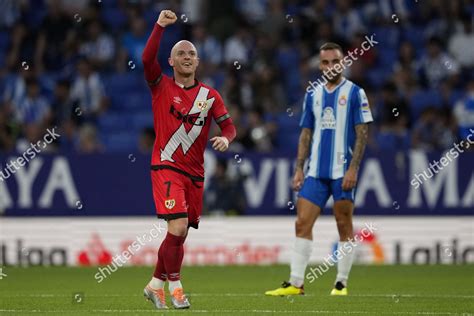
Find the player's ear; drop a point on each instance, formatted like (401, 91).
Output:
(197, 61)
(171, 61)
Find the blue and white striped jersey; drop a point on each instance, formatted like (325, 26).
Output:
(333, 115)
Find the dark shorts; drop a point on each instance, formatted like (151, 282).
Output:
(177, 195)
(318, 191)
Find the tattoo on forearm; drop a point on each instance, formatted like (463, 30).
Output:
(300, 163)
(362, 134)
(303, 147)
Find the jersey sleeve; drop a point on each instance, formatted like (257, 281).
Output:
(219, 111)
(360, 108)
(307, 117)
(223, 119)
(151, 66)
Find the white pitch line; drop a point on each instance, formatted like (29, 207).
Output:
(227, 311)
(248, 295)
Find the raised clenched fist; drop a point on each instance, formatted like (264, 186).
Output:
(167, 17)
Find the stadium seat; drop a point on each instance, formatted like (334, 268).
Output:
(287, 122)
(141, 120)
(377, 76)
(114, 18)
(470, 9)
(286, 59)
(415, 36)
(389, 141)
(455, 96)
(387, 57)
(4, 41)
(390, 36)
(2, 64)
(120, 141)
(113, 121)
(288, 139)
(124, 82)
(422, 99)
(130, 101)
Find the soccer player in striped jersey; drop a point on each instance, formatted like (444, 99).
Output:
(182, 111)
(334, 133)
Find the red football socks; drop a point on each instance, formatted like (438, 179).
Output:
(170, 258)
(160, 271)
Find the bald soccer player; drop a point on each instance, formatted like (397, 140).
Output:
(182, 108)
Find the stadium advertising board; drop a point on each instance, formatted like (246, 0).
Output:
(98, 185)
(226, 241)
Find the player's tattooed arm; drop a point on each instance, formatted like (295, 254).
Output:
(303, 147)
(362, 135)
(303, 152)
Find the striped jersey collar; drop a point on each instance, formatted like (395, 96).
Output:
(335, 88)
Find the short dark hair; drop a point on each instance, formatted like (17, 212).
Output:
(331, 45)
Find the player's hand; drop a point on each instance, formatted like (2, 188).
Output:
(298, 179)
(220, 143)
(350, 179)
(167, 17)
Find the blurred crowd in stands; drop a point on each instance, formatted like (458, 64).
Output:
(76, 64)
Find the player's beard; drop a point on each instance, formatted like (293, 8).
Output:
(332, 79)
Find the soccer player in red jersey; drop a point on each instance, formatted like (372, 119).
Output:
(182, 112)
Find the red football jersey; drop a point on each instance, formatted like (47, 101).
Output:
(182, 119)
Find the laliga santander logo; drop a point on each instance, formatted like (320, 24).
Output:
(95, 253)
(372, 251)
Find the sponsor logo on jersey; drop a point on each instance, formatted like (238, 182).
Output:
(328, 121)
(185, 136)
(170, 203)
(193, 119)
(365, 107)
(343, 100)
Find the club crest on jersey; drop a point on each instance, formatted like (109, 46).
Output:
(202, 105)
(328, 121)
(170, 204)
(342, 100)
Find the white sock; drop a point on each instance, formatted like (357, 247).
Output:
(299, 260)
(347, 251)
(156, 283)
(174, 285)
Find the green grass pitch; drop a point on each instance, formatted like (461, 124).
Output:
(238, 290)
